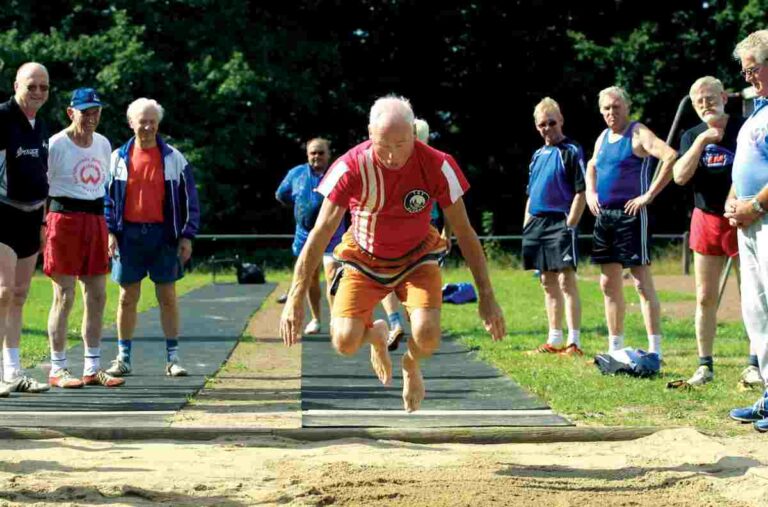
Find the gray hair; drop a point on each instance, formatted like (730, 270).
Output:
(754, 45)
(389, 107)
(421, 130)
(547, 105)
(615, 91)
(138, 106)
(709, 81)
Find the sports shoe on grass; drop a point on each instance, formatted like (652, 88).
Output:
(395, 335)
(701, 376)
(571, 350)
(283, 298)
(174, 369)
(102, 378)
(313, 327)
(545, 348)
(754, 413)
(119, 368)
(24, 384)
(750, 377)
(64, 379)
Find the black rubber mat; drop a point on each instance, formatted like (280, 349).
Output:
(212, 319)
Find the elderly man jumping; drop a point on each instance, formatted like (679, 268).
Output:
(389, 183)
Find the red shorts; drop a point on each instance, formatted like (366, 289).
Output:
(76, 245)
(712, 235)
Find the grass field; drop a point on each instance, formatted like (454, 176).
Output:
(34, 337)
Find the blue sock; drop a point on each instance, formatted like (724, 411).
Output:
(172, 350)
(124, 350)
(708, 362)
(753, 361)
(394, 319)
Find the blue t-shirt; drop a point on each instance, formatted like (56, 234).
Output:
(298, 188)
(555, 176)
(750, 165)
(621, 175)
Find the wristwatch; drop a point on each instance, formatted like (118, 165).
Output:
(757, 207)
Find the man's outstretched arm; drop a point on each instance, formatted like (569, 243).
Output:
(292, 319)
(472, 250)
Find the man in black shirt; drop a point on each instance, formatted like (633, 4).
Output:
(706, 160)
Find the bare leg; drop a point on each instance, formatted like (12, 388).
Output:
(570, 290)
(25, 268)
(330, 267)
(425, 327)
(390, 303)
(707, 269)
(126, 310)
(553, 299)
(613, 296)
(649, 301)
(58, 317)
(94, 299)
(349, 334)
(169, 309)
(7, 282)
(313, 295)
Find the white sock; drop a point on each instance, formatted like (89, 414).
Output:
(654, 343)
(555, 337)
(574, 337)
(91, 360)
(11, 364)
(58, 361)
(615, 342)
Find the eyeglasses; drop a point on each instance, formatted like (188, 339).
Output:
(550, 123)
(751, 71)
(34, 88)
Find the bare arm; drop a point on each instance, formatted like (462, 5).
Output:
(527, 215)
(292, 319)
(644, 144)
(590, 179)
(577, 209)
(472, 250)
(685, 167)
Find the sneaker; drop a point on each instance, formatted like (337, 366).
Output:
(750, 377)
(571, 350)
(313, 327)
(119, 368)
(395, 335)
(754, 413)
(761, 425)
(102, 378)
(282, 299)
(174, 369)
(5, 390)
(24, 384)
(701, 376)
(64, 379)
(546, 348)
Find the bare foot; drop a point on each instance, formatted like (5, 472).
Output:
(380, 360)
(413, 384)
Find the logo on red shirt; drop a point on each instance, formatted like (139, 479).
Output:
(415, 201)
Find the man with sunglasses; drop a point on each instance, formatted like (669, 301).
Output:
(553, 210)
(23, 191)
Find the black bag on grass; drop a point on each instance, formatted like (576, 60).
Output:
(249, 273)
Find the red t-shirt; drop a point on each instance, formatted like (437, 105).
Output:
(145, 189)
(391, 208)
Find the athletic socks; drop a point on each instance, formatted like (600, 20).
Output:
(92, 360)
(58, 361)
(574, 337)
(172, 350)
(555, 337)
(615, 342)
(654, 343)
(124, 351)
(11, 364)
(708, 362)
(394, 320)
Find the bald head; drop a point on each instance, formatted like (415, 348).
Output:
(31, 87)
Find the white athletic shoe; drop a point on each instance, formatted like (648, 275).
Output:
(313, 327)
(119, 368)
(174, 369)
(750, 377)
(701, 376)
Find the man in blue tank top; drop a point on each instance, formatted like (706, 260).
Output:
(298, 190)
(553, 210)
(746, 209)
(618, 193)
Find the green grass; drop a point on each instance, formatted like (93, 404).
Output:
(34, 336)
(574, 387)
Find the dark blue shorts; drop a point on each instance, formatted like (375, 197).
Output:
(549, 244)
(621, 238)
(144, 249)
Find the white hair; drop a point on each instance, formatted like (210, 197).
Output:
(138, 106)
(754, 45)
(709, 81)
(615, 91)
(391, 107)
(421, 130)
(547, 105)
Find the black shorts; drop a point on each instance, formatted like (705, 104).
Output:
(20, 230)
(621, 238)
(549, 244)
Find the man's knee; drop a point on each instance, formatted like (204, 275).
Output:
(20, 294)
(346, 336)
(609, 285)
(64, 298)
(549, 282)
(6, 295)
(425, 328)
(129, 298)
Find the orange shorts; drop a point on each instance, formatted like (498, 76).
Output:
(415, 278)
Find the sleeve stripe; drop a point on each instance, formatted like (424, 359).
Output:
(331, 179)
(453, 181)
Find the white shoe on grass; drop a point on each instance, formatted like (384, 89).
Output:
(701, 376)
(313, 327)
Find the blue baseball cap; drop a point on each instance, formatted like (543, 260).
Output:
(85, 98)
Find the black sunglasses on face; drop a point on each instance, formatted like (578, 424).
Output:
(550, 123)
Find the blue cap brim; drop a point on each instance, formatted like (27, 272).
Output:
(87, 105)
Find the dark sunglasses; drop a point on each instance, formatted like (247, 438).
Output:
(550, 123)
(33, 88)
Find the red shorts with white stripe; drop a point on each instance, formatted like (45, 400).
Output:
(76, 244)
(711, 234)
